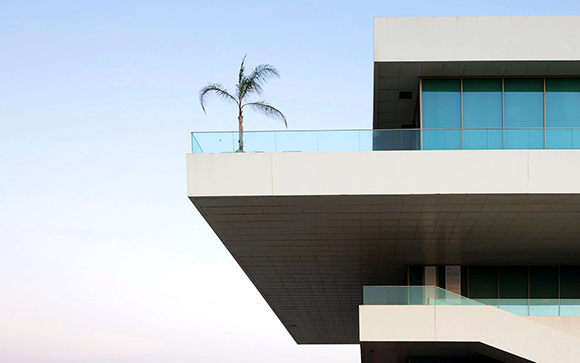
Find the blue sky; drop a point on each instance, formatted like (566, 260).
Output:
(103, 257)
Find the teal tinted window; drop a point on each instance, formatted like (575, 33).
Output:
(524, 108)
(441, 99)
(482, 109)
(513, 282)
(562, 110)
(483, 282)
(543, 282)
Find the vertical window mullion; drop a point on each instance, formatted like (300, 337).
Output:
(544, 112)
(503, 112)
(461, 103)
(421, 112)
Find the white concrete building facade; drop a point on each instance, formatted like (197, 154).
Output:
(448, 233)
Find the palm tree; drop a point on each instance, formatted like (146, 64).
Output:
(247, 86)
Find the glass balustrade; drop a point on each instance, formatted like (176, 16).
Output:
(432, 295)
(387, 139)
(413, 295)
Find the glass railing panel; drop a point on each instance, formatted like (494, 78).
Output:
(490, 302)
(544, 307)
(289, 141)
(575, 138)
(217, 142)
(401, 139)
(374, 295)
(339, 140)
(388, 140)
(256, 142)
(412, 295)
(411, 139)
(392, 139)
(445, 297)
(441, 139)
(494, 139)
(474, 139)
(524, 138)
(570, 307)
(432, 295)
(195, 146)
(366, 140)
(515, 306)
(558, 138)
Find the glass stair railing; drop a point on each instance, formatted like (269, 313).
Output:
(433, 295)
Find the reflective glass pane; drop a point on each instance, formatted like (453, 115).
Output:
(562, 103)
(524, 103)
(441, 99)
(482, 103)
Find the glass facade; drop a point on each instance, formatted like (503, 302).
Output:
(482, 111)
(524, 110)
(521, 290)
(562, 111)
(500, 113)
(441, 101)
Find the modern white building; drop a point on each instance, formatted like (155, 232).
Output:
(448, 233)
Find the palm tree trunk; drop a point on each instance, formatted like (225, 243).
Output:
(241, 129)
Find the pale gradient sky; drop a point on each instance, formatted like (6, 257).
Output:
(103, 258)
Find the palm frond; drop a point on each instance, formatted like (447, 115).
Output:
(241, 75)
(267, 110)
(262, 72)
(217, 90)
(253, 83)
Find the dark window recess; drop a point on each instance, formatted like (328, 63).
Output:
(441, 277)
(513, 282)
(483, 282)
(543, 282)
(569, 282)
(464, 283)
(415, 275)
(405, 95)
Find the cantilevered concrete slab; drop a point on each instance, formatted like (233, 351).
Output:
(465, 329)
(310, 229)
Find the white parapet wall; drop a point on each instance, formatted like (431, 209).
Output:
(384, 173)
(488, 325)
(477, 38)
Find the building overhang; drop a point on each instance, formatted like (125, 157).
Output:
(406, 49)
(310, 229)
